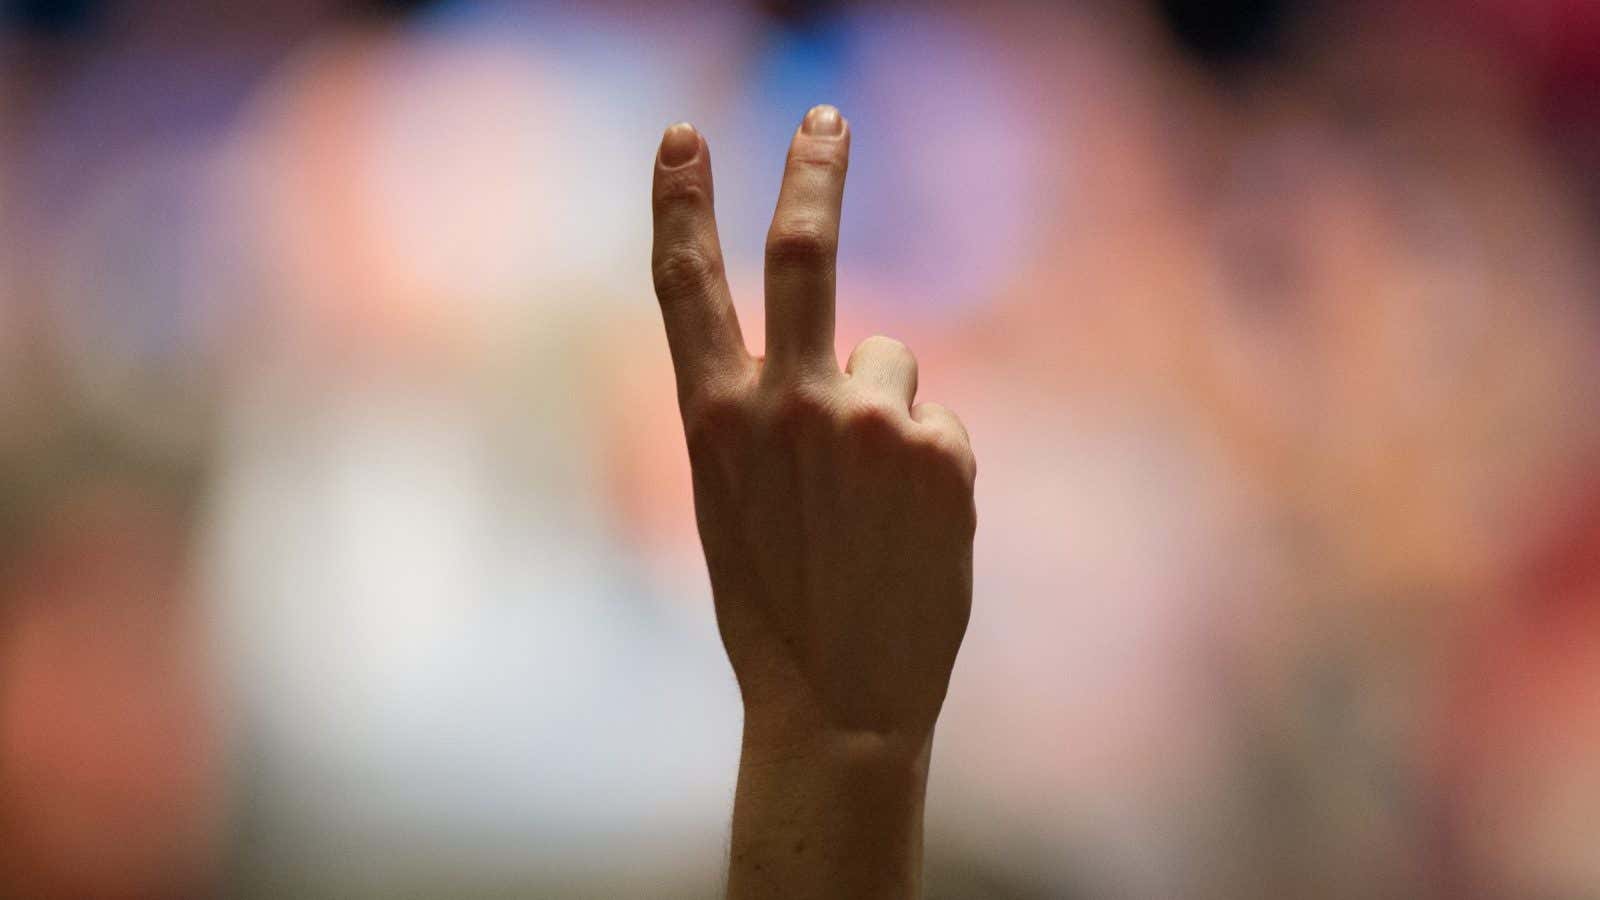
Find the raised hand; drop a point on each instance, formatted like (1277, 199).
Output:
(837, 519)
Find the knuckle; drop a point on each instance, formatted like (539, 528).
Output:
(801, 242)
(872, 421)
(713, 419)
(946, 452)
(886, 349)
(684, 269)
(828, 163)
(681, 189)
(885, 346)
(803, 409)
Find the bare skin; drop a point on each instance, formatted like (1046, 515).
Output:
(837, 518)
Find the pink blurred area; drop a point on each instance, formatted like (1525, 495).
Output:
(348, 548)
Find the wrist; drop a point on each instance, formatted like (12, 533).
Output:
(828, 812)
(781, 737)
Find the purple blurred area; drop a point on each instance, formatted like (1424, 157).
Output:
(346, 546)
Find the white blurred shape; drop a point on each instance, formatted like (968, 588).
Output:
(438, 661)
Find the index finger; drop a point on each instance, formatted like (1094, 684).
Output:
(686, 263)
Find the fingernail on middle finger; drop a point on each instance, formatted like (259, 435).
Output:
(823, 121)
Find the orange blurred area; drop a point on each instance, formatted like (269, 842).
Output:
(108, 728)
(346, 543)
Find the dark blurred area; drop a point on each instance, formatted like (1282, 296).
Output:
(346, 546)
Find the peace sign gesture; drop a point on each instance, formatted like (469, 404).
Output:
(837, 517)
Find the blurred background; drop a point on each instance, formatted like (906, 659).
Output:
(346, 547)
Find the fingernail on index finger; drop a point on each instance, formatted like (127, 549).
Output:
(680, 145)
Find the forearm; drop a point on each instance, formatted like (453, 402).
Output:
(830, 815)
